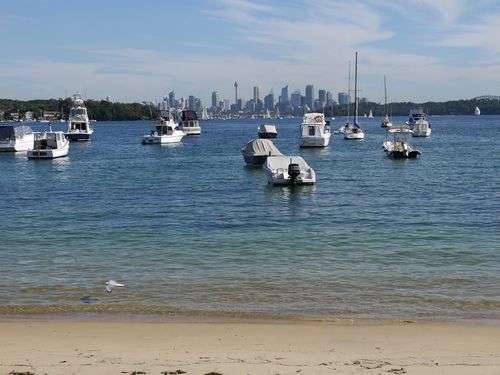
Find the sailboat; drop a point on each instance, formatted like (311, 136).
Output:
(370, 115)
(353, 131)
(386, 122)
(477, 111)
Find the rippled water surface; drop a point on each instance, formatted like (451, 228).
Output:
(191, 230)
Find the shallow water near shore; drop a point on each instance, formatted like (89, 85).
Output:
(190, 230)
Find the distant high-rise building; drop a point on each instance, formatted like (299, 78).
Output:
(295, 99)
(284, 99)
(269, 101)
(191, 104)
(215, 99)
(256, 95)
(343, 98)
(225, 104)
(171, 99)
(321, 99)
(310, 96)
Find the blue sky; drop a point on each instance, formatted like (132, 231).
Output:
(430, 50)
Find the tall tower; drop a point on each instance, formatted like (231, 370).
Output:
(235, 92)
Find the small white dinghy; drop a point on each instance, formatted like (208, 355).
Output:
(288, 170)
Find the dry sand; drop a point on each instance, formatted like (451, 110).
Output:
(99, 347)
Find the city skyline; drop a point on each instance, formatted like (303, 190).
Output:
(430, 51)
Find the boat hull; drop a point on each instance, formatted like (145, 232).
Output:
(404, 154)
(354, 136)
(255, 160)
(267, 135)
(315, 141)
(47, 154)
(161, 139)
(18, 145)
(421, 133)
(191, 130)
(75, 137)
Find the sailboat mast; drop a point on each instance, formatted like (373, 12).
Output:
(356, 89)
(349, 94)
(385, 94)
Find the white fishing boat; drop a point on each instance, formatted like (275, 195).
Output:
(396, 145)
(165, 130)
(79, 128)
(49, 145)
(352, 131)
(14, 138)
(189, 123)
(288, 170)
(314, 131)
(477, 111)
(267, 131)
(258, 150)
(421, 128)
(386, 122)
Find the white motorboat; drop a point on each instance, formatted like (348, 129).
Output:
(314, 131)
(421, 128)
(386, 122)
(396, 146)
(258, 150)
(16, 138)
(352, 131)
(165, 130)
(79, 128)
(267, 131)
(288, 170)
(49, 145)
(189, 123)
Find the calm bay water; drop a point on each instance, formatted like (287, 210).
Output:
(191, 230)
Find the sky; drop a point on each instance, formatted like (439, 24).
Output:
(136, 50)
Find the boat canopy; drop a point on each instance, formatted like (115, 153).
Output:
(282, 162)
(14, 131)
(267, 128)
(399, 129)
(261, 147)
(314, 119)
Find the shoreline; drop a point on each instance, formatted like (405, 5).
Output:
(56, 347)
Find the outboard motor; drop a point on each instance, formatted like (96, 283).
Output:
(293, 171)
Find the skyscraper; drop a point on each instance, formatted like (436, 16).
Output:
(215, 99)
(296, 99)
(343, 98)
(171, 99)
(269, 101)
(322, 99)
(256, 96)
(284, 99)
(310, 96)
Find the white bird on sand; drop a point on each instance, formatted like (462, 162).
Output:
(111, 284)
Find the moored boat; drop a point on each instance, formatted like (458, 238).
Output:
(165, 130)
(352, 131)
(314, 130)
(49, 145)
(189, 123)
(79, 128)
(258, 150)
(397, 147)
(14, 138)
(267, 131)
(288, 170)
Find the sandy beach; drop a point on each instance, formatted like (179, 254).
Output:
(108, 347)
